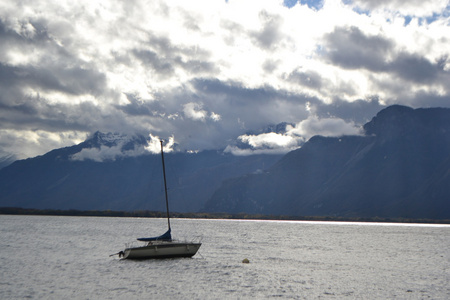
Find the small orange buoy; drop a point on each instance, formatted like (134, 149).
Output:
(245, 261)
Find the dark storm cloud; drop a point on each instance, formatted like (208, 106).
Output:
(21, 110)
(161, 65)
(49, 118)
(59, 70)
(11, 38)
(71, 80)
(135, 107)
(37, 113)
(426, 99)
(195, 66)
(256, 107)
(234, 91)
(51, 68)
(248, 103)
(245, 101)
(415, 68)
(33, 39)
(350, 48)
(308, 78)
(315, 81)
(164, 57)
(359, 111)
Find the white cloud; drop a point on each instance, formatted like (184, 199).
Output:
(112, 148)
(324, 127)
(420, 8)
(215, 117)
(245, 152)
(154, 145)
(98, 155)
(294, 136)
(115, 148)
(105, 153)
(266, 143)
(194, 111)
(269, 140)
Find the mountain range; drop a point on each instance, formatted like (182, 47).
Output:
(114, 172)
(398, 167)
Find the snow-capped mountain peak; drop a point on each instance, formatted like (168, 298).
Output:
(110, 146)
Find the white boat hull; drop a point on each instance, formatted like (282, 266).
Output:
(162, 250)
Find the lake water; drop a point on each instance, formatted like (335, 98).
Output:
(49, 257)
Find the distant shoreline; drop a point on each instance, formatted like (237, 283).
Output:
(200, 215)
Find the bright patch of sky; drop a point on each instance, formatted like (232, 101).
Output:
(314, 4)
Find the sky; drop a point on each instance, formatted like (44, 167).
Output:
(213, 74)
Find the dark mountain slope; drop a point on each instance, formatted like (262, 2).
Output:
(398, 169)
(57, 181)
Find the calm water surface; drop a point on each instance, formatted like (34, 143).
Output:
(45, 257)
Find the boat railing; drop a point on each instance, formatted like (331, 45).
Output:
(196, 239)
(135, 244)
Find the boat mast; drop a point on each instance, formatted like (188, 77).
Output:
(165, 184)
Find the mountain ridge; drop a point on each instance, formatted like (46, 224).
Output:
(391, 171)
(104, 172)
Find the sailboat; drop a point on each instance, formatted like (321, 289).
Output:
(162, 246)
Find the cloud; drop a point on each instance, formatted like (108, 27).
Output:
(105, 153)
(270, 140)
(194, 111)
(208, 72)
(266, 143)
(154, 145)
(28, 143)
(324, 127)
(292, 137)
(413, 7)
(270, 34)
(98, 154)
(396, 74)
(112, 146)
(118, 146)
(352, 49)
